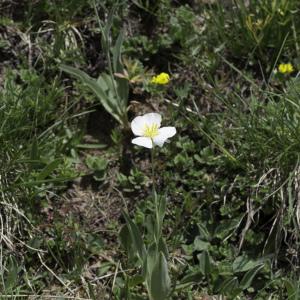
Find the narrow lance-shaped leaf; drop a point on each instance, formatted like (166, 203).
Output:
(160, 279)
(122, 83)
(151, 259)
(204, 263)
(49, 169)
(11, 276)
(229, 285)
(292, 288)
(136, 237)
(162, 209)
(109, 22)
(116, 51)
(162, 246)
(110, 86)
(248, 277)
(34, 155)
(107, 103)
(126, 240)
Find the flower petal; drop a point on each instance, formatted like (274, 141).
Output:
(163, 134)
(152, 118)
(143, 141)
(137, 125)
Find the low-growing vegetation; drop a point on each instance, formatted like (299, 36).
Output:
(150, 149)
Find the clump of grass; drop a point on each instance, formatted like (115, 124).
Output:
(34, 148)
(263, 135)
(255, 31)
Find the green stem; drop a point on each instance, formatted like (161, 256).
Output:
(153, 170)
(154, 195)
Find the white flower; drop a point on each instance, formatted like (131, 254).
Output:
(147, 128)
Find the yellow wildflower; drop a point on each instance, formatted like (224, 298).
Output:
(286, 68)
(162, 78)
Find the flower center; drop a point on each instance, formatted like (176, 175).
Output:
(151, 130)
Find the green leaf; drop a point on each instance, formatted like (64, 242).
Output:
(162, 207)
(136, 237)
(204, 263)
(192, 277)
(96, 163)
(200, 245)
(229, 285)
(122, 83)
(161, 200)
(151, 260)
(11, 277)
(100, 88)
(110, 86)
(243, 263)
(123, 90)
(292, 288)
(248, 277)
(224, 229)
(109, 22)
(49, 169)
(162, 246)
(152, 257)
(204, 233)
(160, 280)
(36, 182)
(125, 238)
(117, 65)
(34, 155)
(91, 146)
(135, 280)
(85, 78)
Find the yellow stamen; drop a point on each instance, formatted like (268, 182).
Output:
(151, 130)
